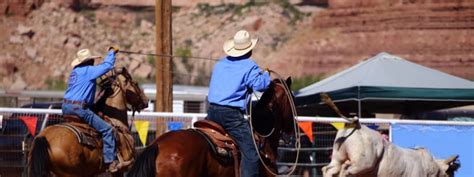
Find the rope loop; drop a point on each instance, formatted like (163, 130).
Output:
(295, 124)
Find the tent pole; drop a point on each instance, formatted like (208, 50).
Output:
(358, 101)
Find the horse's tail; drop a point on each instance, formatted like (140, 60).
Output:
(39, 160)
(145, 164)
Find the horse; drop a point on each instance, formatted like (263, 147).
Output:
(57, 149)
(185, 153)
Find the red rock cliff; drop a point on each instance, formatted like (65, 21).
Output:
(433, 33)
(18, 7)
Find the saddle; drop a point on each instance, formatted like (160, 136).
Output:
(222, 145)
(85, 134)
(89, 137)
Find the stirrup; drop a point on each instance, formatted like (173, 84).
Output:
(117, 165)
(122, 162)
(113, 167)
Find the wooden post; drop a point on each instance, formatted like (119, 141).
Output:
(164, 76)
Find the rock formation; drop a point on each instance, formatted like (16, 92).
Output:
(436, 34)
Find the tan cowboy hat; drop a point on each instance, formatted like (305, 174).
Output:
(240, 45)
(82, 56)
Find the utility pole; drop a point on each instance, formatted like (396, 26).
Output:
(163, 64)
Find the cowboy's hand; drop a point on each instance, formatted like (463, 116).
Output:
(115, 49)
(267, 70)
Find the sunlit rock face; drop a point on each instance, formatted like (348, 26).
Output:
(434, 33)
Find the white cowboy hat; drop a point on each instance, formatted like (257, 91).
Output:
(82, 56)
(240, 45)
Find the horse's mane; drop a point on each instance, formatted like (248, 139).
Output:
(267, 96)
(105, 88)
(262, 117)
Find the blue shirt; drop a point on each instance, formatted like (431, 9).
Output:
(231, 79)
(82, 81)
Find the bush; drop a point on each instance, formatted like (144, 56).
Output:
(184, 53)
(290, 11)
(151, 60)
(304, 81)
(56, 84)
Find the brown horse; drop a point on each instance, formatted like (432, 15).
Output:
(185, 153)
(56, 149)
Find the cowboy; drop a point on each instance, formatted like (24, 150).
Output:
(79, 98)
(233, 79)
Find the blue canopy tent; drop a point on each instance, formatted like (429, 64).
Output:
(386, 84)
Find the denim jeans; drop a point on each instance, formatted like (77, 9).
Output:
(96, 122)
(232, 119)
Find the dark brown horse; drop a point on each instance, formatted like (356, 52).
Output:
(56, 149)
(185, 153)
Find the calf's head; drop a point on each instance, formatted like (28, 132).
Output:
(448, 166)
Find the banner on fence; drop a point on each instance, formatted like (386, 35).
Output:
(173, 126)
(338, 125)
(442, 141)
(307, 128)
(142, 129)
(30, 122)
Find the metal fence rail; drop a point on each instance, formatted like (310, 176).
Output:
(15, 138)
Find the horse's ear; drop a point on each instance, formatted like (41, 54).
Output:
(288, 81)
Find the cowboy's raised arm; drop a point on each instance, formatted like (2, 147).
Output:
(258, 80)
(108, 64)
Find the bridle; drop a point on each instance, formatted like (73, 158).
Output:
(295, 124)
(112, 80)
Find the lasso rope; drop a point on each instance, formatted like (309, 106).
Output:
(273, 128)
(295, 126)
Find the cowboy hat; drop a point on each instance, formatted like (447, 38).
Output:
(240, 45)
(82, 56)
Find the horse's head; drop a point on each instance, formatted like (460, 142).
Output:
(120, 80)
(273, 112)
(133, 93)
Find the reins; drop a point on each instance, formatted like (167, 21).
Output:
(295, 124)
(112, 80)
